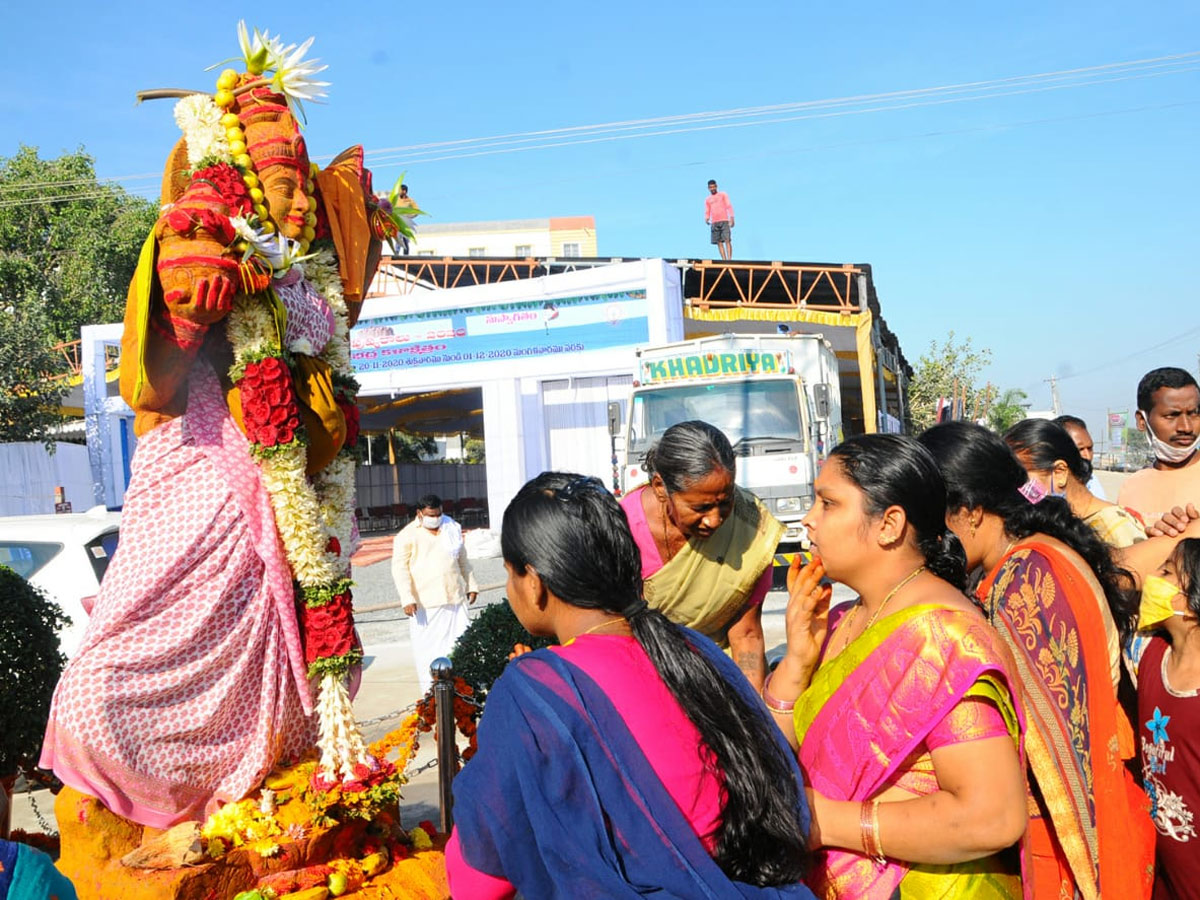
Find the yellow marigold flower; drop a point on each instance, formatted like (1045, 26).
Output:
(420, 840)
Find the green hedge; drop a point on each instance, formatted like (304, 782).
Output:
(30, 664)
(480, 654)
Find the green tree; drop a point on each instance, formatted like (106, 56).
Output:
(68, 242)
(405, 447)
(30, 663)
(29, 392)
(475, 451)
(1137, 447)
(939, 369)
(412, 448)
(1006, 410)
(480, 654)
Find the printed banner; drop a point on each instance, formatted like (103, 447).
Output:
(501, 331)
(1117, 419)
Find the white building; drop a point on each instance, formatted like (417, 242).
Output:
(560, 237)
(547, 354)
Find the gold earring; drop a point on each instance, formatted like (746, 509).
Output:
(972, 529)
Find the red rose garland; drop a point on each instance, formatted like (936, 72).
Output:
(230, 184)
(329, 629)
(270, 412)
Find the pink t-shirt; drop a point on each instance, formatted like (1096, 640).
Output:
(652, 560)
(717, 207)
(663, 732)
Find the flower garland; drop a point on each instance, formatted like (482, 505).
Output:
(466, 715)
(315, 519)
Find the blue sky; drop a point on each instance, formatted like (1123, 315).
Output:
(1058, 228)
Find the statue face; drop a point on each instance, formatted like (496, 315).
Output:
(283, 170)
(280, 158)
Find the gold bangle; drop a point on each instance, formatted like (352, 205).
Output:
(864, 827)
(876, 841)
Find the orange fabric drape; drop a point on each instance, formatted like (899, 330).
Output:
(344, 197)
(1124, 833)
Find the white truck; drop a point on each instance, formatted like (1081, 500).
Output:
(776, 397)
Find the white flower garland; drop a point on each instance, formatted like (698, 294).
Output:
(340, 741)
(308, 513)
(199, 118)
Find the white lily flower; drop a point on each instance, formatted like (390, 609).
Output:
(294, 76)
(260, 51)
(259, 242)
(289, 255)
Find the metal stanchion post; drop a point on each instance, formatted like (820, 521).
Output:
(447, 749)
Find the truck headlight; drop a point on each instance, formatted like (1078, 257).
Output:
(794, 504)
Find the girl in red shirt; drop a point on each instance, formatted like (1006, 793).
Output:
(1169, 718)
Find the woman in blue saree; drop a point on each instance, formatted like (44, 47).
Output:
(634, 758)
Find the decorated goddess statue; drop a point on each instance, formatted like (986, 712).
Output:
(222, 640)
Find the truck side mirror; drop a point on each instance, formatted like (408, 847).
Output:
(614, 418)
(821, 400)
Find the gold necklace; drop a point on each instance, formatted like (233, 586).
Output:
(603, 624)
(893, 592)
(666, 542)
(875, 615)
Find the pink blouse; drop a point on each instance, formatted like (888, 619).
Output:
(663, 732)
(652, 560)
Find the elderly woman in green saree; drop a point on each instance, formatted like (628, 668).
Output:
(707, 545)
(900, 705)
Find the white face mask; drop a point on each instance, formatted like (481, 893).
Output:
(1169, 453)
(433, 523)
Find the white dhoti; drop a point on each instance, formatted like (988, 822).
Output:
(433, 633)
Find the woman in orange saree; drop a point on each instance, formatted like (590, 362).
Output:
(904, 721)
(1052, 591)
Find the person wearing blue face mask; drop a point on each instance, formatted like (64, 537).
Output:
(1169, 718)
(435, 583)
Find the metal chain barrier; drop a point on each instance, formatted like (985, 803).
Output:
(394, 714)
(37, 813)
(424, 768)
(469, 699)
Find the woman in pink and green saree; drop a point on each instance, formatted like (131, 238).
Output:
(900, 705)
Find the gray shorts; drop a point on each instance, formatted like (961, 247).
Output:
(720, 231)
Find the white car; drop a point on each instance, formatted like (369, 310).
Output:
(64, 555)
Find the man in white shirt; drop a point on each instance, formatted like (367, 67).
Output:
(435, 583)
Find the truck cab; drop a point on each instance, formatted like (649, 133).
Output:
(774, 396)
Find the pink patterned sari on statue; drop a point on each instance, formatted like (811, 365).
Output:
(190, 685)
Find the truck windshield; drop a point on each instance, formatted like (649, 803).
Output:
(745, 411)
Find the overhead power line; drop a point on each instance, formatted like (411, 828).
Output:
(740, 117)
(975, 90)
(385, 161)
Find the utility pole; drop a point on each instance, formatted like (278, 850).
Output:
(1055, 401)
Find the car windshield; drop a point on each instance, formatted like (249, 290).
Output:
(744, 410)
(27, 557)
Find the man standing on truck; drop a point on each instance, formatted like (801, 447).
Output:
(718, 215)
